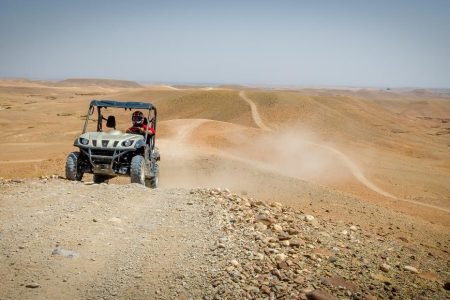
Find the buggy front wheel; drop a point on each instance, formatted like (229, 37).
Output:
(73, 169)
(152, 182)
(137, 170)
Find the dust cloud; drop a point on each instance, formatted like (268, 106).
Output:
(288, 153)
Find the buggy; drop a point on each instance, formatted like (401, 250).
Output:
(111, 153)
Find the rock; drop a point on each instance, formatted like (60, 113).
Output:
(353, 228)
(260, 227)
(299, 280)
(259, 256)
(292, 231)
(280, 257)
(285, 243)
(64, 252)
(296, 243)
(332, 259)
(339, 281)
(447, 286)
(33, 285)
(235, 263)
(308, 218)
(403, 239)
(411, 269)
(282, 236)
(277, 228)
(283, 265)
(344, 232)
(385, 268)
(265, 289)
(190, 203)
(320, 295)
(263, 218)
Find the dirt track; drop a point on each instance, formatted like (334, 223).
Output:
(355, 170)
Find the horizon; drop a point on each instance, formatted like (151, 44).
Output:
(216, 84)
(260, 43)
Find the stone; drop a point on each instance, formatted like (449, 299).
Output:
(283, 265)
(259, 256)
(280, 257)
(282, 236)
(411, 269)
(353, 228)
(308, 218)
(338, 282)
(263, 218)
(292, 231)
(320, 295)
(447, 286)
(296, 243)
(33, 285)
(385, 268)
(64, 252)
(277, 228)
(285, 243)
(235, 263)
(265, 289)
(332, 259)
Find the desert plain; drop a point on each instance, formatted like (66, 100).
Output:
(373, 159)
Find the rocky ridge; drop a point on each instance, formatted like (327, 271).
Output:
(280, 253)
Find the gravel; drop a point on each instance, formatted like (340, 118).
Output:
(193, 244)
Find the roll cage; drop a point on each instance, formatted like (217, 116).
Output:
(100, 104)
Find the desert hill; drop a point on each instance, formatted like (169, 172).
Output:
(377, 160)
(81, 82)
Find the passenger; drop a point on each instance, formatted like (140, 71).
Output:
(139, 125)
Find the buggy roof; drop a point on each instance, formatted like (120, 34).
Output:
(120, 104)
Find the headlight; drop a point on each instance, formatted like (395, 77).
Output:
(127, 143)
(84, 141)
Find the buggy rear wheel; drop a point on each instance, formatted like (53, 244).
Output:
(137, 170)
(73, 169)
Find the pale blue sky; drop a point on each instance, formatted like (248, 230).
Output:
(349, 43)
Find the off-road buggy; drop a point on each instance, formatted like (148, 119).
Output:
(111, 153)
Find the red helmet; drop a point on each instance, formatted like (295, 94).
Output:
(137, 118)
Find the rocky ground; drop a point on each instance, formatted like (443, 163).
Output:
(73, 240)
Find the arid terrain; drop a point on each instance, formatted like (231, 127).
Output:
(264, 193)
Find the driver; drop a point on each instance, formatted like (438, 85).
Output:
(138, 124)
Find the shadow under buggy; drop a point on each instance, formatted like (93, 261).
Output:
(115, 153)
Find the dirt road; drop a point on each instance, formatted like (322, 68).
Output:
(63, 240)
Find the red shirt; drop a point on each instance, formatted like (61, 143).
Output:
(136, 128)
